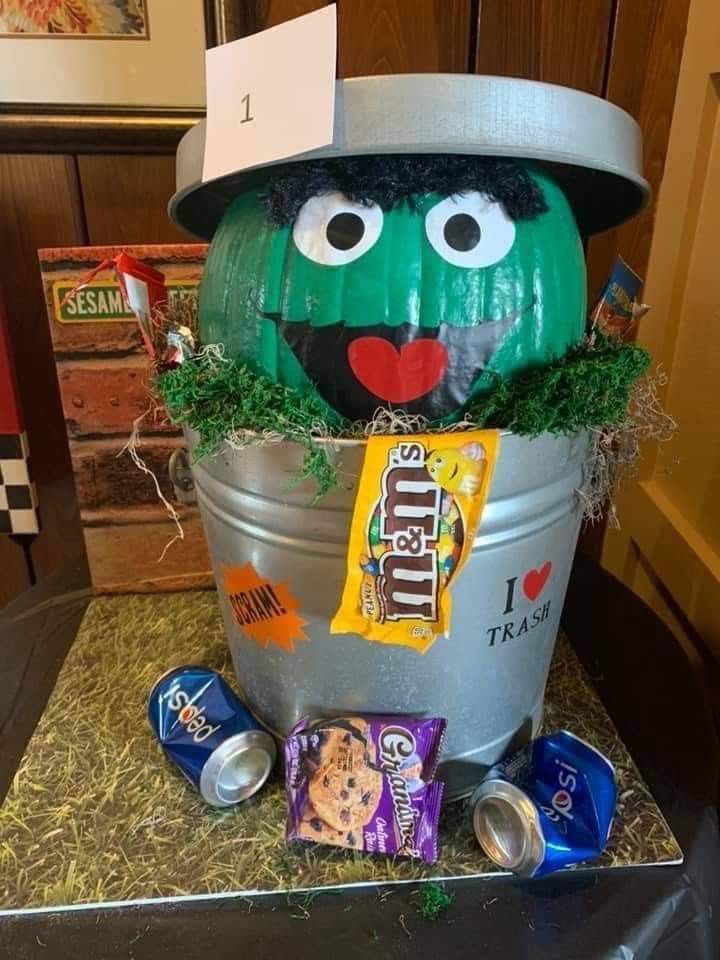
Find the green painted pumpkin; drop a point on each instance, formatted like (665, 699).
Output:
(412, 306)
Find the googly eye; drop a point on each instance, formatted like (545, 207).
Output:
(332, 230)
(468, 230)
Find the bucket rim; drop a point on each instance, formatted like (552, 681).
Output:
(345, 443)
(590, 146)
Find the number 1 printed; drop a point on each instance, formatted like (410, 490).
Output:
(246, 100)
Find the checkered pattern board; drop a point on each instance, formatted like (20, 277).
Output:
(18, 500)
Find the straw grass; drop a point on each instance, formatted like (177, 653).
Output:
(96, 813)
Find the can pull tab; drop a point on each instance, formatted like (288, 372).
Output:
(181, 476)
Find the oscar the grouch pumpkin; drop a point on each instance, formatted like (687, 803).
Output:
(398, 282)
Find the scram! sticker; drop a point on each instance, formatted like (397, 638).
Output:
(265, 611)
(418, 507)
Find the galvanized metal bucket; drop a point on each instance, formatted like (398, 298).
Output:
(487, 677)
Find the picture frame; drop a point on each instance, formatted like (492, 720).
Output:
(93, 127)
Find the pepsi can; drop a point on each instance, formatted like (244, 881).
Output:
(548, 806)
(210, 734)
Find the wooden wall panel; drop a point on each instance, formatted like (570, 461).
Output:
(14, 573)
(403, 36)
(39, 206)
(125, 199)
(272, 12)
(254, 15)
(558, 41)
(643, 71)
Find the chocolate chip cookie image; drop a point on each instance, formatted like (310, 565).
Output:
(313, 827)
(345, 789)
(326, 736)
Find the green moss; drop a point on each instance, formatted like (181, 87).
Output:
(433, 901)
(219, 398)
(590, 387)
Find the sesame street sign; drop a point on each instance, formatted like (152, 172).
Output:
(102, 301)
(417, 510)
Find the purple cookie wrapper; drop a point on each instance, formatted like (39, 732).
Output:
(405, 751)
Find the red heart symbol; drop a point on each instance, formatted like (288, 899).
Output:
(534, 581)
(398, 377)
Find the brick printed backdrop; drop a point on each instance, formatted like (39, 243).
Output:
(103, 373)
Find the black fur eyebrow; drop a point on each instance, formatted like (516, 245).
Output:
(392, 180)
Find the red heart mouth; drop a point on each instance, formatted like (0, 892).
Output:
(397, 376)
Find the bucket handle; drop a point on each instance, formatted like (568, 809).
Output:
(181, 476)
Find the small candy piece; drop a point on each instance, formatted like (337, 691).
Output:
(366, 783)
(617, 310)
(180, 346)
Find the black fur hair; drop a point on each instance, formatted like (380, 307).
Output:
(392, 180)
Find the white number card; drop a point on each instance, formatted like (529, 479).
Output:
(271, 95)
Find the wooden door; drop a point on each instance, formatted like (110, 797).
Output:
(668, 549)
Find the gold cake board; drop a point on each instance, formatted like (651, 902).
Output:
(96, 815)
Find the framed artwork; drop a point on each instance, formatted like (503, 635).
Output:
(75, 18)
(98, 75)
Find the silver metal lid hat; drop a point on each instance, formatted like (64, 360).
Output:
(592, 148)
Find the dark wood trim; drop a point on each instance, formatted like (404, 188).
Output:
(213, 26)
(25, 129)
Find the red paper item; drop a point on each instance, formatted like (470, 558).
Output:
(18, 500)
(142, 286)
(10, 416)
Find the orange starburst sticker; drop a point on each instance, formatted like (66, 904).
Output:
(265, 611)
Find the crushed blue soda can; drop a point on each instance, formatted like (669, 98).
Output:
(548, 806)
(210, 734)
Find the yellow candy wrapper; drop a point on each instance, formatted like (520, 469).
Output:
(417, 510)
